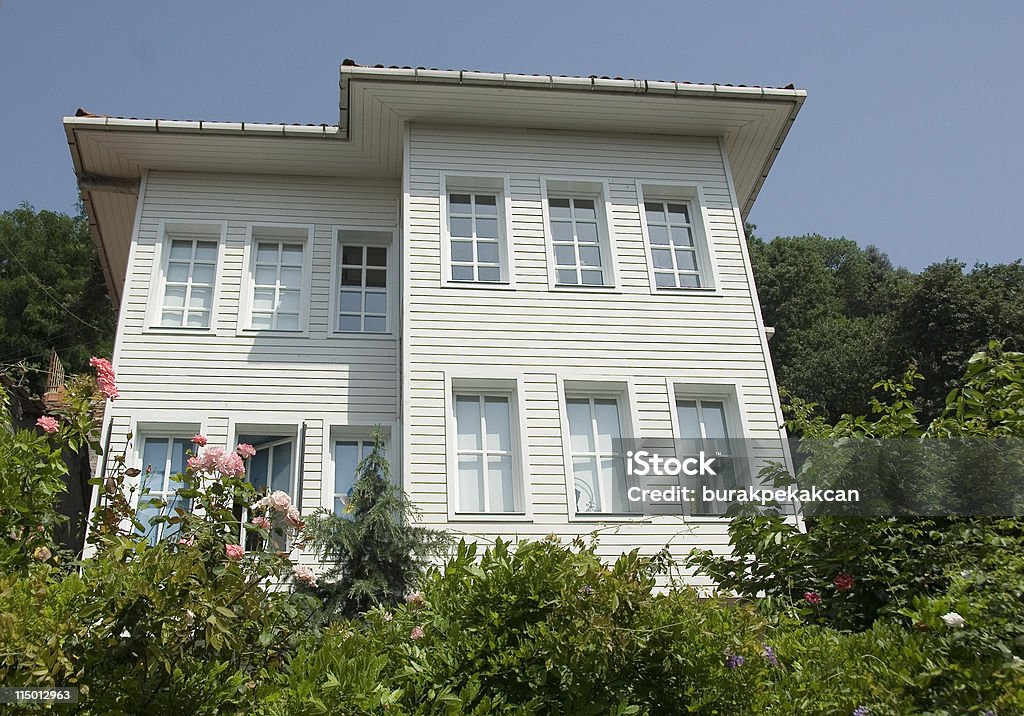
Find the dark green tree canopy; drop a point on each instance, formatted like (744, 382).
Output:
(52, 294)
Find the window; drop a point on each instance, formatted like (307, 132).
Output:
(575, 237)
(485, 453)
(188, 283)
(680, 255)
(271, 468)
(278, 268)
(163, 458)
(703, 426)
(595, 445)
(347, 456)
(363, 281)
(473, 224)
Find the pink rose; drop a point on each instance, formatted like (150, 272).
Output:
(234, 551)
(262, 522)
(279, 501)
(186, 541)
(843, 582)
(415, 599)
(812, 598)
(231, 465)
(245, 450)
(199, 440)
(416, 633)
(104, 377)
(47, 423)
(293, 517)
(304, 574)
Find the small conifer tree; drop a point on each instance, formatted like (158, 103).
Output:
(375, 554)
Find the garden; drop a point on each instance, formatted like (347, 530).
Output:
(849, 615)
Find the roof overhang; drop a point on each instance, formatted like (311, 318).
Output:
(110, 154)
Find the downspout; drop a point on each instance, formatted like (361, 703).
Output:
(302, 463)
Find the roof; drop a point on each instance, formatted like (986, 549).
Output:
(110, 154)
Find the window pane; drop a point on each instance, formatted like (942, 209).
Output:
(689, 280)
(486, 204)
(561, 231)
(487, 228)
(593, 278)
(659, 235)
(203, 274)
(287, 322)
(655, 211)
(607, 414)
(291, 255)
(181, 250)
(585, 479)
(181, 446)
(351, 277)
(662, 258)
(500, 484)
(206, 251)
(171, 318)
(678, 214)
(346, 457)
(581, 430)
(265, 275)
(665, 280)
(461, 226)
(174, 297)
(262, 320)
(200, 298)
(291, 277)
(681, 236)
(689, 426)
(467, 421)
(587, 233)
(567, 277)
(487, 252)
(375, 324)
(462, 273)
(259, 474)
(352, 255)
(489, 273)
(614, 472)
(154, 454)
(376, 256)
(351, 301)
(585, 209)
(177, 272)
(559, 208)
(350, 323)
(288, 301)
(460, 203)
(462, 251)
(376, 302)
(281, 477)
(471, 483)
(686, 260)
(266, 252)
(200, 319)
(565, 256)
(714, 420)
(496, 414)
(590, 256)
(378, 278)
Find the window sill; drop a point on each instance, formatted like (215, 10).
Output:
(574, 288)
(272, 333)
(489, 517)
(480, 285)
(362, 335)
(180, 330)
(597, 517)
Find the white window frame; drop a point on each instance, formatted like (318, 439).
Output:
(351, 433)
(692, 195)
(622, 390)
(485, 382)
(143, 430)
(582, 188)
(387, 238)
(283, 233)
(729, 394)
(478, 184)
(194, 229)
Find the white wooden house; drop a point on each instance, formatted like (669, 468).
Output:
(502, 271)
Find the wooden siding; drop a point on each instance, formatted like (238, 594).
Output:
(540, 334)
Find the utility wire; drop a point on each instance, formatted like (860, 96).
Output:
(46, 290)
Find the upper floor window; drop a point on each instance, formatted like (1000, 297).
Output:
(363, 282)
(476, 248)
(581, 247)
(677, 245)
(595, 447)
(278, 269)
(188, 283)
(163, 459)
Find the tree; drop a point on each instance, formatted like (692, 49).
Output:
(52, 294)
(377, 555)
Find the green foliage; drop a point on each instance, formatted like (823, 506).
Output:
(58, 251)
(375, 554)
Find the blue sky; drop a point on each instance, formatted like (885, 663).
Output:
(909, 139)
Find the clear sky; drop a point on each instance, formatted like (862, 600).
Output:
(910, 138)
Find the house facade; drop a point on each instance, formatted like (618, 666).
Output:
(517, 278)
